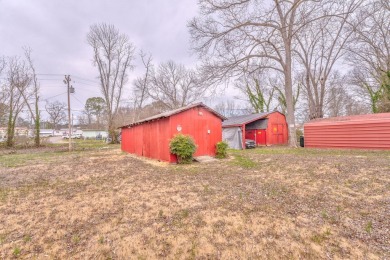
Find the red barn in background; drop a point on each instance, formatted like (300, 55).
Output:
(150, 137)
(264, 128)
(361, 132)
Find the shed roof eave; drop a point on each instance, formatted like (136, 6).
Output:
(250, 121)
(173, 112)
(229, 126)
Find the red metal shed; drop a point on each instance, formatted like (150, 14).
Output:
(150, 137)
(264, 128)
(361, 132)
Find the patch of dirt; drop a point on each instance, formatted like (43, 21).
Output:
(114, 205)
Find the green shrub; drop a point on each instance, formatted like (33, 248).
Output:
(221, 150)
(183, 146)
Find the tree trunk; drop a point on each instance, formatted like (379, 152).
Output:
(37, 138)
(111, 130)
(10, 131)
(290, 101)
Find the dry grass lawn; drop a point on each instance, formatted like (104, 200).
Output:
(267, 203)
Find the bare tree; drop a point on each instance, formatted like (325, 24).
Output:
(113, 54)
(282, 102)
(2, 64)
(257, 91)
(56, 111)
(32, 92)
(230, 108)
(386, 4)
(18, 79)
(141, 85)
(124, 115)
(384, 103)
(355, 107)
(320, 44)
(83, 120)
(154, 108)
(175, 86)
(232, 36)
(370, 52)
(3, 93)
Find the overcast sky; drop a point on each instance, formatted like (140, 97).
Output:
(56, 32)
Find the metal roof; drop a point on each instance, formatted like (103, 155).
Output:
(334, 120)
(349, 132)
(245, 119)
(173, 112)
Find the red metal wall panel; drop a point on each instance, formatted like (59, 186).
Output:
(151, 139)
(258, 135)
(277, 132)
(360, 132)
(202, 125)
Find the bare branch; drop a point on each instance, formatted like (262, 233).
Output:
(113, 55)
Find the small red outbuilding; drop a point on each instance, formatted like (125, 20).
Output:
(150, 137)
(361, 132)
(264, 128)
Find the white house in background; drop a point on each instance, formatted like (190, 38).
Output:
(58, 133)
(94, 134)
(19, 131)
(75, 131)
(45, 132)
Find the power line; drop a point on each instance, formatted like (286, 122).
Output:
(80, 78)
(53, 96)
(73, 76)
(83, 83)
(48, 79)
(54, 86)
(48, 74)
(78, 100)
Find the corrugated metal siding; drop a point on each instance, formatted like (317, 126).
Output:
(196, 122)
(360, 132)
(277, 132)
(275, 126)
(151, 139)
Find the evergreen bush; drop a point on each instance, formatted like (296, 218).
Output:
(221, 150)
(184, 147)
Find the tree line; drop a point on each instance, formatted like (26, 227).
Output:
(295, 52)
(308, 59)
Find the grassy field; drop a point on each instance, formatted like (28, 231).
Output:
(266, 203)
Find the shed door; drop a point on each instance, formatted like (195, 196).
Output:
(280, 134)
(250, 134)
(260, 137)
(203, 138)
(257, 135)
(277, 132)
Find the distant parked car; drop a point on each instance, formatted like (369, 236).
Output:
(250, 143)
(99, 137)
(75, 136)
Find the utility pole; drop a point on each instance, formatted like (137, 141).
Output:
(72, 123)
(70, 90)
